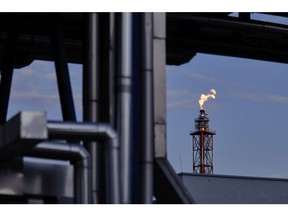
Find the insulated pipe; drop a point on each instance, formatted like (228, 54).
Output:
(62, 72)
(124, 105)
(79, 157)
(93, 132)
(91, 94)
(147, 141)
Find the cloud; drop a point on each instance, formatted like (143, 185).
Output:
(246, 96)
(202, 77)
(277, 99)
(35, 88)
(181, 98)
(36, 95)
(260, 97)
(178, 93)
(188, 72)
(181, 103)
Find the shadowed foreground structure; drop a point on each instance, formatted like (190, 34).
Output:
(118, 154)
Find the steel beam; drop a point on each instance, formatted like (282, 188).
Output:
(7, 66)
(62, 72)
(168, 188)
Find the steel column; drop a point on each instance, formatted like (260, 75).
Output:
(8, 61)
(62, 72)
(147, 120)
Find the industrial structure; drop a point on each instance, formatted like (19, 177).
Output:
(202, 145)
(118, 153)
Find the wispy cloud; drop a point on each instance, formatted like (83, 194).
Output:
(181, 98)
(178, 93)
(277, 99)
(199, 76)
(35, 88)
(34, 95)
(260, 97)
(191, 73)
(181, 103)
(245, 96)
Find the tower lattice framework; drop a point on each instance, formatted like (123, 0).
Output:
(202, 141)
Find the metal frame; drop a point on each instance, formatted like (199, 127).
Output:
(202, 153)
(62, 72)
(202, 145)
(20, 134)
(127, 170)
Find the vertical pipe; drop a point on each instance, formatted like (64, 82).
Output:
(82, 169)
(91, 94)
(8, 61)
(147, 146)
(80, 159)
(103, 132)
(113, 176)
(124, 101)
(112, 54)
(62, 72)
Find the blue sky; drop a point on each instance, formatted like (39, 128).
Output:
(249, 113)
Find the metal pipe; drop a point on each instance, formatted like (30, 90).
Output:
(62, 72)
(147, 144)
(7, 69)
(124, 101)
(112, 54)
(91, 94)
(89, 132)
(78, 156)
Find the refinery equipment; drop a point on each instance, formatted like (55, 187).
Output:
(118, 152)
(202, 141)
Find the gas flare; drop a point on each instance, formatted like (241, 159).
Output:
(205, 97)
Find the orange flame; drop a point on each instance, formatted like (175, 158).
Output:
(204, 97)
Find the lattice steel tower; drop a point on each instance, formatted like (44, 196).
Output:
(202, 141)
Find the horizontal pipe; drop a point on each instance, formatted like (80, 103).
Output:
(80, 131)
(94, 132)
